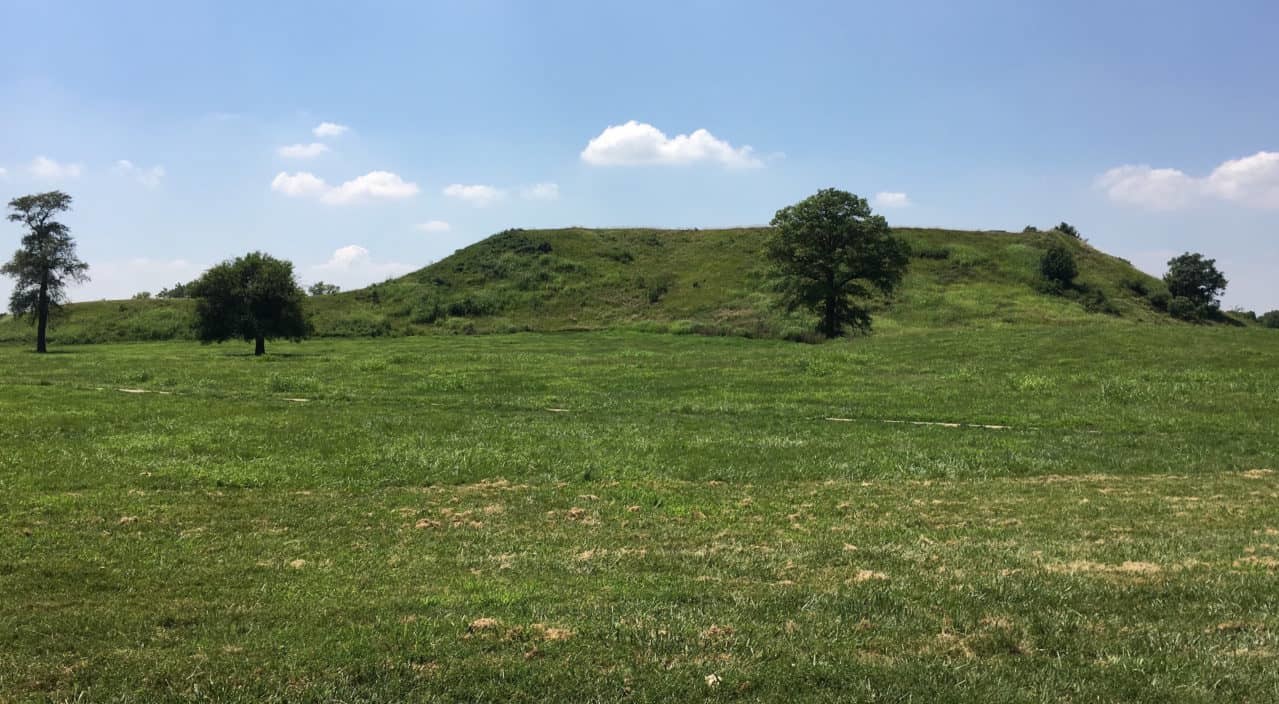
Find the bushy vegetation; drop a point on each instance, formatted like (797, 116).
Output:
(1058, 266)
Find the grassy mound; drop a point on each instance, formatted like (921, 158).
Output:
(683, 281)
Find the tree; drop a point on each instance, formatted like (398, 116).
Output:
(1067, 229)
(1195, 278)
(319, 288)
(1270, 319)
(179, 290)
(1058, 265)
(253, 297)
(45, 262)
(829, 250)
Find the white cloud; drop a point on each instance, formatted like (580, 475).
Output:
(1156, 189)
(121, 278)
(1251, 181)
(147, 177)
(47, 169)
(478, 195)
(352, 266)
(302, 151)
(433, 226)
(890, 199)
(329, 129)
(638, 144)
(375, 185)
(541, 191)
(299, 185)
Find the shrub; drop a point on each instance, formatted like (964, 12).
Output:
(1058, 266)
(1030, 229)
(1095, 301)
(1066, 228)
(1183, 308)
(1270, 320)
(1137, 286)
(932, 253)
(1160, 300)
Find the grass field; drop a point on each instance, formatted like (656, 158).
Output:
(618, 516)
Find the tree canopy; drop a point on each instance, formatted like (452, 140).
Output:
(1196, 278)
(1058, 265)
(254, 297)
(45, 262)
(829, 251)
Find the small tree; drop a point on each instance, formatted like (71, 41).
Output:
(319, 288)
(1067, 229)
(254, 297)
(828, 251)
(1058, 265)
(45, 262)
(179, 290)
(1193, 277)
(1270, 319)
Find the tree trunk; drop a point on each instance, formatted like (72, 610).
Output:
(42, 315)
(259, 346)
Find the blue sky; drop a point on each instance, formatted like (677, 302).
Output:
(191, 132)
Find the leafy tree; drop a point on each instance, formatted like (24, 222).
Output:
(45, 262)
(142, 296)
(1270, 319)
(1193, 277)
(828, 251)
(253, 297)
(319, 288)
(179, 290)
(1067, 229)
(1058, 265)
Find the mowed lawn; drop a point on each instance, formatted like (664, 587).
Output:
(1080, 513)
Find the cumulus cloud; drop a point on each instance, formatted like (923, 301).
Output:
(432, 226)
(541, 191)
(1251, 181)
(353, 266)
(375, 185)
(302, 151)
(640, 144)
(121, 278)
(299, 185)
(329, 129)
(890, 199)
(47, 169)
(478, 195)
(147, 177)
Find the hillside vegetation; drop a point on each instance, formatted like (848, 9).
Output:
(703, 281)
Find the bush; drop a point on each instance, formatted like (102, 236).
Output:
(1058, 266)
(1095, 301)
(1160, 300)
(1066, 228)
(1030, 230)
(1270, 320)
(1183, 308)
(932, 253)
(1137, 286)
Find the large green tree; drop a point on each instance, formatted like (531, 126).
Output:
(254, 297)
(45, 262)
(1194, 277)
(829, 252)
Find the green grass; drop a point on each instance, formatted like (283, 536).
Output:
(619, 516)
(690, 281)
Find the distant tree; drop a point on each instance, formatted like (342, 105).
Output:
(1067, 229)
(45, 262)
(179, 290)
(828, 251)
(1269, 319)
(319, 288)
(142, 296)
(1195, 278)
(1058, 265)
(1030, 229)
(253, 297)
